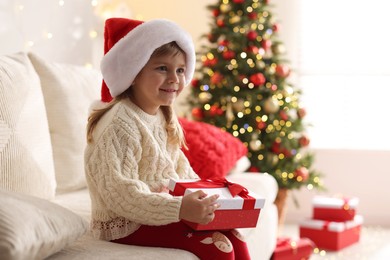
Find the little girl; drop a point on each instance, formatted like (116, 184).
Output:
(134, 145)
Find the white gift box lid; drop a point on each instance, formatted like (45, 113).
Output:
(334, 202)
(226, 200)
(331, 225)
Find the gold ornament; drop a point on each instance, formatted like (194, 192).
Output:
(278, 48)
(255, 143)
(260, 64)
(225, 8)
(272, 159)
(205, 97)
(239, 106)
(271, 105)
(235, 19)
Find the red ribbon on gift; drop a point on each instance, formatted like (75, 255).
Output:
(283, 241)
(326, 225)
(346, 204)
(287, 242)
(234, 189)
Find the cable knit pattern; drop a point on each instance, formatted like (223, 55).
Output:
(128, 167)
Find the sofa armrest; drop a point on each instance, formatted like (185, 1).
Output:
(262, 239)
(262, 184)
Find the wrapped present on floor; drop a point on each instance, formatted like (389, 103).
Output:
(293, 249)
(239, 208)
(332, 235)
(334, 208)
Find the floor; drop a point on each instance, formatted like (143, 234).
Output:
(374, 244)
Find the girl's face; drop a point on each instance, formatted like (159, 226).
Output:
(159, 82)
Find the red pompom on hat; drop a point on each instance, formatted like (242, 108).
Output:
(128, 45)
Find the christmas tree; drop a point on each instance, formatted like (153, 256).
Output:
(241, 85)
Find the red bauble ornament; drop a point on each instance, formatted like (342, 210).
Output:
(212, 38)
(275, 148)
(304, 140)
(283, 115)
(195, 83)
(252, 16)
(228, 55)
(302, 173)
(251, 35)
(253, 49)
(253, 169)
(258, 79)
(301, 113)
(210, 62)
(215, 110)
(266, 44)
(197, 113)
(216, 78)
(238, 1)
(216, 12)
(220, 22)
(286, 152)
(261, 125)
(276, 27)
(282, 70)
(223, 42)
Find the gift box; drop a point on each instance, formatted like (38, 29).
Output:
(239, 208)
(332, 235)
(293, 249)
(334, 208)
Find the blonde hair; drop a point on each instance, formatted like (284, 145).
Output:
(173, 127)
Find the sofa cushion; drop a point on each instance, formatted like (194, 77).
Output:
(212, 152)
(26, 158)
(68, 91)
(33, 228)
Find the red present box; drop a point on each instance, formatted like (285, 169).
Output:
(293, 249)
(239, 208)
(332, 235)
(334, 209)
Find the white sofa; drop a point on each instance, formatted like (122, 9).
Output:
(44, 202)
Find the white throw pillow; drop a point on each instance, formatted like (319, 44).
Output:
(26, 158)
(68, 91)
(241, 165)
(33, 228)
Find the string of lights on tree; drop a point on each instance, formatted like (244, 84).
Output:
(241, 85)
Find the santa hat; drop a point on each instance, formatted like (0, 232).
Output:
(128, 45)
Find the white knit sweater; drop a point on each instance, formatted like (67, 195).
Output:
(128, 167)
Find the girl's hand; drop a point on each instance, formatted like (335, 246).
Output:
(197, 207)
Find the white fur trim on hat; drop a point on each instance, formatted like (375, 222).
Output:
(128, 56)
